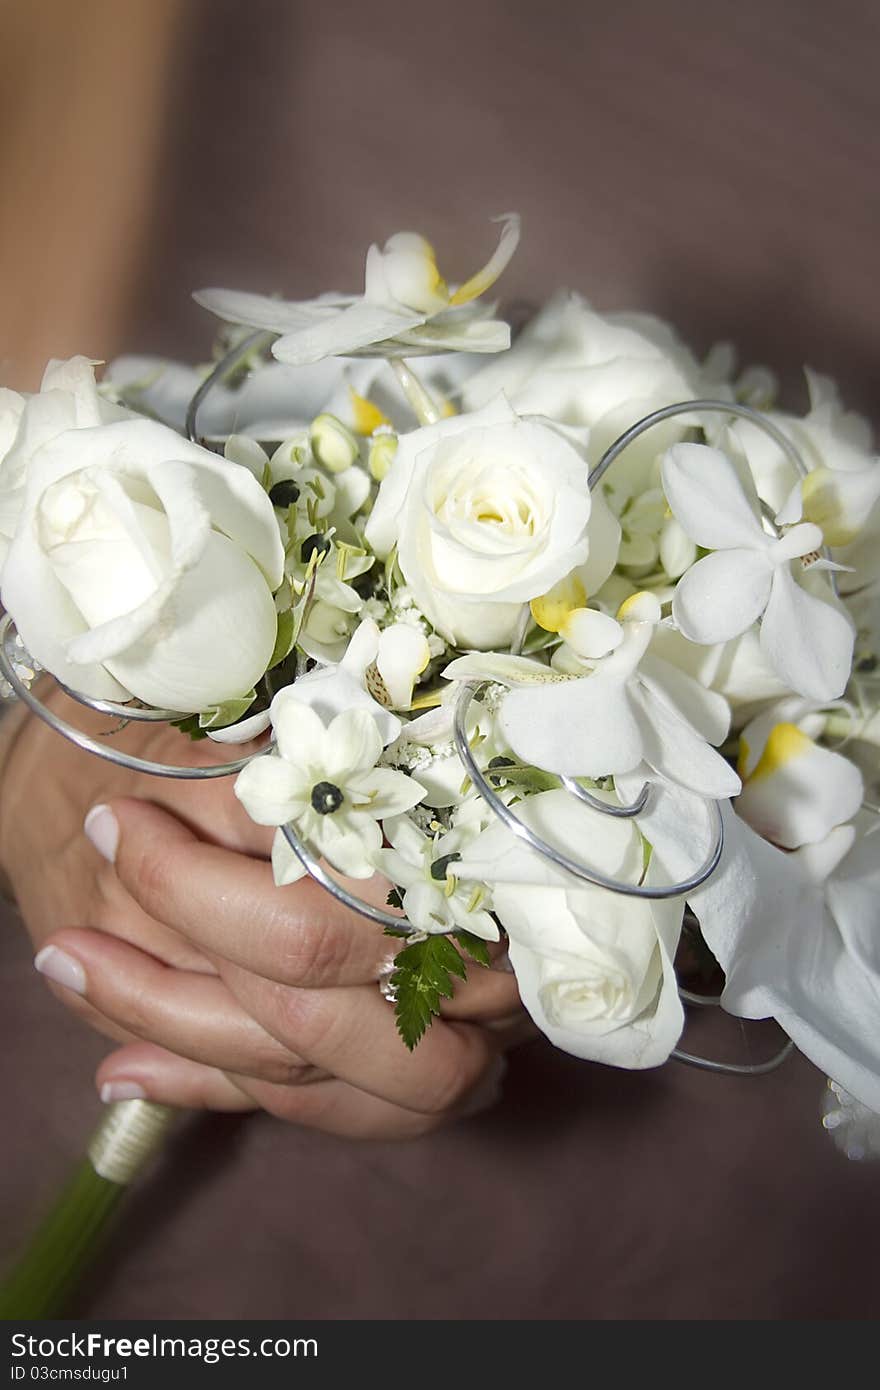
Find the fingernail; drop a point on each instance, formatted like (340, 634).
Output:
(102, 828)
(122, 1090)
(61, 968)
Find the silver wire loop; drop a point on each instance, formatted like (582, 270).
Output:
(336, 890)
(548, 851)
(91, 745)
(668, 412)
(692, 1059)
(222, 369)
(622, 812)
(136, 713)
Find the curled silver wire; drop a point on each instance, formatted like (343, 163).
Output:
(91, 745)
(133, 712)
(668, 412)
(692, 1059)
(336, 890)
(548, 851)
(745, 412)
(222, 369)
(575, 789)
(702, 1001)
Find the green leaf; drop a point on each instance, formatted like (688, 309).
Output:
(395, 900)
(422, 977)
(285, 638)
(190, 727)
(474, 945)
(229, 712)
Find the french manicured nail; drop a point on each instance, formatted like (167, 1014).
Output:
(61, 968)
(122, 1090)
(102, 828)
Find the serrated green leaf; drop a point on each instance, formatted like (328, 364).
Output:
(475, 946)
(395, 900)
(422, 977)
(190, 727)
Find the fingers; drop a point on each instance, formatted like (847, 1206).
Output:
(228, 904)
(352, 1034)
(486, 994)
(147, 1072)
(193, 1015)
(151, 1073)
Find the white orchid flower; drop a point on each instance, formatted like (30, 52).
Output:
(406, 307)
(434, 899)
(796, 934)
(634, 707)
(794, 791)
(808, 641)
(324, 779)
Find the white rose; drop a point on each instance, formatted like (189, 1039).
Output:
(594, 971)
(144, 565)
(594, 968)
(601, 370)
(68, 399)
(488, 511)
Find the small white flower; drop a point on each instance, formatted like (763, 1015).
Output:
(324, 780)
(434, 900)
(406, 308)
(748, 576)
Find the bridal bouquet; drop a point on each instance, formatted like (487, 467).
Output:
(571, 642)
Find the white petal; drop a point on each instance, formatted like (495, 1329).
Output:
(299, 730)
(403, 655)
(498, 261)
(706, 494)
(330, 690)
(676, 751)
(708, 712)
(607, 843)
(286, 867)
(263, 311)
(358, 326)
(798, 791)
(808, 642)
(220, 634)
(583, 728)
(244, 730)
(352, 744)
(390, 793)
(270, 790)
(722, 595)
(591, 633)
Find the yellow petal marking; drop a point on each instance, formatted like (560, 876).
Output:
(822, 506)
(785, 743)
(367, 417)
(641, 607)
(550, 610)
(479, 283)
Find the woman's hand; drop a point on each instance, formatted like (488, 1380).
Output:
(168, 933)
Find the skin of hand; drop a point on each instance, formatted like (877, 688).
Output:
(156, 918)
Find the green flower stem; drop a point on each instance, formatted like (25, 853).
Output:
(71, 1235)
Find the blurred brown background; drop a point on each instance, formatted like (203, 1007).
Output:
(712, 162)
